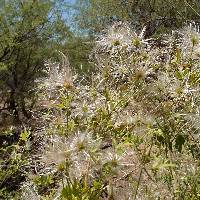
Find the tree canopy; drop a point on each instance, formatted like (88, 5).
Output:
(158, 15)
(30, 31)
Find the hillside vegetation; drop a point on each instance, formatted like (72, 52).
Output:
(122, 125)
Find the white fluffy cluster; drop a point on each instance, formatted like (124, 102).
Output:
(140, 90)
(79, 152)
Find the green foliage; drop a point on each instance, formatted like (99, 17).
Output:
(25, 135)
(29, 32)
(129, 130)
(13, 162)
(133, 128)
(75, 190)
(78, 50)
(160, 16)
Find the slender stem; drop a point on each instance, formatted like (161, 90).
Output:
(138, 184)
(67, 114)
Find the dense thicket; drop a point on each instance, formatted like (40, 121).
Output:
(30, 32)
(131, 132)
(117, 118)
(160, 16)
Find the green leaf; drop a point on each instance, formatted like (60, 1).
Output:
(25, 135)
(178, 75)
(160, 163)
(178, 55)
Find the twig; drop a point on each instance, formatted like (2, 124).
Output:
(138, 184)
